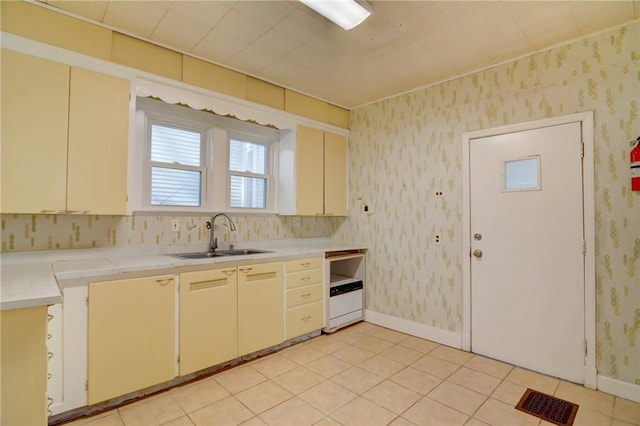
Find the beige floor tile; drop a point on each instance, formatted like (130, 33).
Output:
(435, 366)
(327, 396)
(373, 344)
(152, 411)
(392, 396)
(292, 412)
(327, 366)
(274, 365)
(254, 421)
(263, 396)
(326, 344)
(401, 354)
(587, 417)
(180, 421)
(363, 412)
(626, 410)
(451, 354)
(109, 418)
(382, 366)
(357, 380)
(350, 335)
(352, 354)
(474, 380)
(298, 380)
(367, 327)
(301, 354)
(239, 378)
(489, 366)
(495, 412)
(532, 380)
(196, 395)
(428, 412)
(509, 393)
(618, 422)
(228, 411)
(457, 397)
(401, 421)
(418, 344)
(475, 422)
(327, 421)
(594, 400)
(392, 336)
(416, 380)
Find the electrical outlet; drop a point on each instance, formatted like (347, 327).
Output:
(436, 239)
(439, 194)
(175, 225)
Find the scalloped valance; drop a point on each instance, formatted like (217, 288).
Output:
(217, 103)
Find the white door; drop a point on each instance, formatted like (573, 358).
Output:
(527, 236)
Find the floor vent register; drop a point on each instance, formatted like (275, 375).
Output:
(549, 408)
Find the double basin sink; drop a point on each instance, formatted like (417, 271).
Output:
(219, 253)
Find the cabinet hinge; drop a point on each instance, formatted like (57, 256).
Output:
(585, 348)
(581, 149)
(584, 248)
(86, 385)
(86, 299)
(178, 359)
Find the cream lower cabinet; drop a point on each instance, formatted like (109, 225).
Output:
(304, 295)
(208, 318)
(131, 336)
(64, 138)
(260, 307)
(23, 361)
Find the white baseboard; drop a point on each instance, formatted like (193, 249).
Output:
(445, 337)
(619, 388)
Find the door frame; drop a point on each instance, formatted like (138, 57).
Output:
(586, 120)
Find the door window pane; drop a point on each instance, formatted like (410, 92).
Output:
(522, 174)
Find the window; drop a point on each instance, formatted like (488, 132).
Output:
(248, 181)
(177, 168)
(196, 161)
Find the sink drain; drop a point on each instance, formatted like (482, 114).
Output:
(549, 408)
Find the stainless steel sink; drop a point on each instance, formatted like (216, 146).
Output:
(219, 253)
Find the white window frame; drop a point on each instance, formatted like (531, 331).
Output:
(215, 184)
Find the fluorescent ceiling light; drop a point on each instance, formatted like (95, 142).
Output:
(346, 13)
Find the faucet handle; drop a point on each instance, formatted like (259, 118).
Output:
(208, 225)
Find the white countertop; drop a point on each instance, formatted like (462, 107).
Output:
(36, 278)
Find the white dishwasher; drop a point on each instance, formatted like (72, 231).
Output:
(344, 275)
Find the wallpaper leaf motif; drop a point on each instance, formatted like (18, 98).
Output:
(405, 148)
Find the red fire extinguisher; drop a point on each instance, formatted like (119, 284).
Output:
(634, 157)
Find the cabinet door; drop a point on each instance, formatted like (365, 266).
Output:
(98, 143)
(335, 174)
(208, 318)
(309, 171)
(35, 98)
(260, 307)
(131, 336)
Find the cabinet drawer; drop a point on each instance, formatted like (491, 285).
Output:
(297, 279)
(304, 264)
(304, 319)
(300, 295)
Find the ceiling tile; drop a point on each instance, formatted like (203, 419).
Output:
(207, 13)
(178, 31)
(89, 9)
(137, 17)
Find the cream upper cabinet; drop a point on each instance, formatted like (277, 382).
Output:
(131, 336)
(35, 116)
(313, 173)
(64, 138)
(208, 318)
(260, 307)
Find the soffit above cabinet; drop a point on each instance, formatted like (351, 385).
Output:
(402, 46)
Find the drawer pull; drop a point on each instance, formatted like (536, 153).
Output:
(77, 211)
(245, 270)
(164, 282)
(305, 278)
(53, 211)
(49, 355)
(305, 295)
(49, 376)
(49, 317)
(305, 264)
(229, 272)
(49, 336)
(306, 319)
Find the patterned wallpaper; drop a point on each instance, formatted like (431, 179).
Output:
(405, 148)
(43, 232)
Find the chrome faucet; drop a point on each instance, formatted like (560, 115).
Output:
(213, 242)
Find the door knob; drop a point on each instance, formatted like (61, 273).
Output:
(477, 253)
